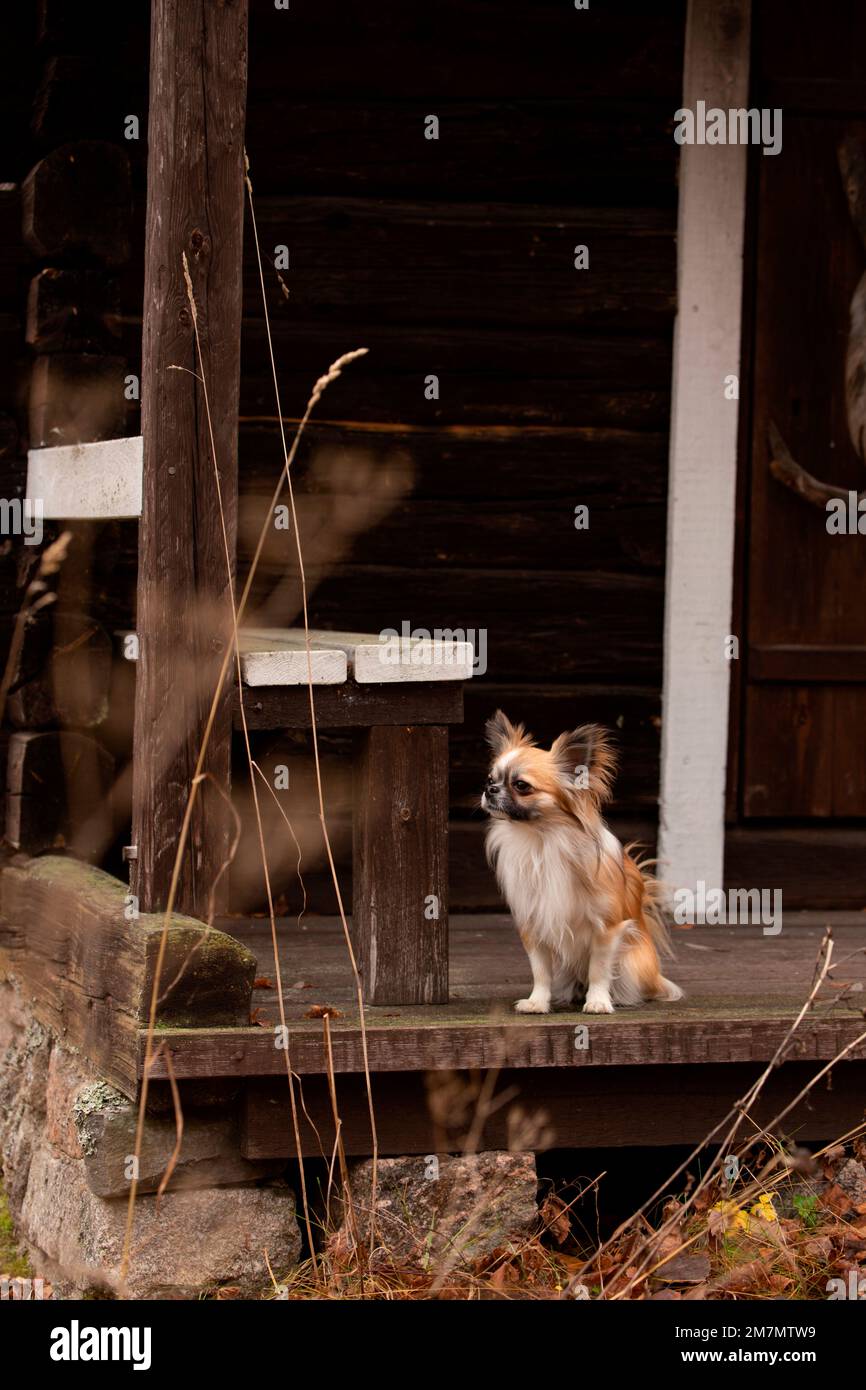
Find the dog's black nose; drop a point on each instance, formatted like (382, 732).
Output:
(493, 788)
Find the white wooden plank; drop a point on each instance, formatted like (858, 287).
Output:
(703, 457)
(94, 482)
(374, 661)
(267, 658)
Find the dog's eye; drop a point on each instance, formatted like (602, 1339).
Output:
(521, 786)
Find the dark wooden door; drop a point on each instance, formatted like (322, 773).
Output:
(804, 705)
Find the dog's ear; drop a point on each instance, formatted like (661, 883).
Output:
(501, 733)
(586, 759)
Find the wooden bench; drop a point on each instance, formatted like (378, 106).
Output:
(397, 694)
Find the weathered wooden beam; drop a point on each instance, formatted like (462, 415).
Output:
(198, 73)
(79, 198)
(400, 864)
(351, 706)
(579, 1109)
(463, 1036)
(87, 961)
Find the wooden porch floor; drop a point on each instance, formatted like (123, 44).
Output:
(742, 991)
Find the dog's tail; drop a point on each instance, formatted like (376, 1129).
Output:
(655, 895)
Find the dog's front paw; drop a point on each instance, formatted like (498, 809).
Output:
(532, 1006)
(598, 1002)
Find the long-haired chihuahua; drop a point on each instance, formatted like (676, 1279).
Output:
(586, 910)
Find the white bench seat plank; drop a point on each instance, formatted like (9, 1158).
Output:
(374, 661)
(267, 658)
(90, 482)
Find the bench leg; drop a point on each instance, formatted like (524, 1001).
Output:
(400, 867)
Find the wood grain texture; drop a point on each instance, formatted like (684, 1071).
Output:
(352, 706)
(570, 380)
(487, 264)
(87, 965)
(567, 1108)
(400, 864)
(99, 481)
(806, 624)
(277, 657)
(195, 206)
(742, 991)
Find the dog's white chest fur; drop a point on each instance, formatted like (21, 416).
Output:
(548, 879)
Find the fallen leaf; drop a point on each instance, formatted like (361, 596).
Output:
(743, 1278)
(554, 1215)
(684, 1269)
(262, 982)
(323, 1011)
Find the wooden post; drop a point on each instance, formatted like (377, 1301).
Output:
(703, 457)
(198, 67)
(400, 871)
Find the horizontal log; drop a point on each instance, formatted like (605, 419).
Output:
(470, 50)
(352, 706)
(87, 963)
(78, 198)
(485, 377)
(578, 1109)
(621, 151)
(572, 626)
(484, 264)
(73, 311)
(459, 462)
(584, 531)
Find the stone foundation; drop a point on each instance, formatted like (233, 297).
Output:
(66, 1146)
(443, 1211)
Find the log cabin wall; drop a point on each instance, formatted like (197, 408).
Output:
(454, 258)
(71, 166)
(451, 258)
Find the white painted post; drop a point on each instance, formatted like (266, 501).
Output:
(703, 457)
